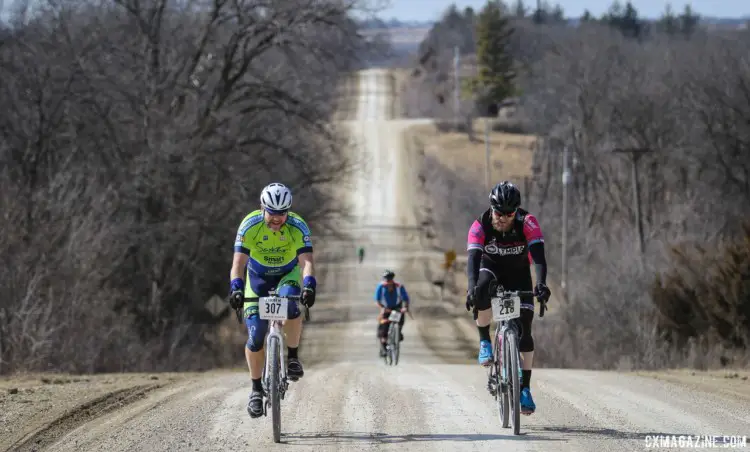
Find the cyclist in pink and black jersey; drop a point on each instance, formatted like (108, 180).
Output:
(502, 243)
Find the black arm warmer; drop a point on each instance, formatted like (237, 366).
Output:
(540, 263)
(472, 267)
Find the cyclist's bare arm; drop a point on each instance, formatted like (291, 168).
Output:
(238, 266)
(306, 263)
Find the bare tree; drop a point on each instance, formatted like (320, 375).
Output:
(136, 136)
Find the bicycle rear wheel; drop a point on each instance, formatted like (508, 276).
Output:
(511, 371)
(273, 353)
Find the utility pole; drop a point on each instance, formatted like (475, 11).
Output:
(456, 84)
(565, 182)
(487, 181)
(635, 155)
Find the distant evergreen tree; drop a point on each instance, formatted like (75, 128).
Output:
(587, 17)
(688, 21)
(624, 19)
(519, 9)
(668, 23)
(496, 78)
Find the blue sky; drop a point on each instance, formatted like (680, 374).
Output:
(432, 9)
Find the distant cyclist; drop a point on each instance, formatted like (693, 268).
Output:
(390, 295)
(361, 253)
(272, 245)
(500, 242)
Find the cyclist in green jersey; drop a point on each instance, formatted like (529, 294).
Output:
(272, 249)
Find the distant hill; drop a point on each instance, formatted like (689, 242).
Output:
(712, 22)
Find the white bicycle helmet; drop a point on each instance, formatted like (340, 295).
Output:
(276, 197)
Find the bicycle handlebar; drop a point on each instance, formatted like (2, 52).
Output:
(238, 311)
(524, 293)
(289, 297)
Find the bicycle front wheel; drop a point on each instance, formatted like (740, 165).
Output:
(501, 395)
(511, 371)
(273, 387)
(396, 347)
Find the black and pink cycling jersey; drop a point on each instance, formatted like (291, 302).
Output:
(505, 249)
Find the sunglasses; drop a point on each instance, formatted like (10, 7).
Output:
(277, 213)
(504, 213)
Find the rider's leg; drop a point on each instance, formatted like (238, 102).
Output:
(256, 332)
(382, 333)
(526, 343)
(256, 327)
(290, 286)
(401, 326)
(293, 326)
(484, 314)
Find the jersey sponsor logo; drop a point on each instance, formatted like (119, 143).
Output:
(272, 250)
(504, 251)
(273, 260)
(238, 238)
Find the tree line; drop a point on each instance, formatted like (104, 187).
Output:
(677, 92)
(134, 137)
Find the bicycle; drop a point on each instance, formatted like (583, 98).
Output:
(393, 344)
(274, 380)
(505, 372)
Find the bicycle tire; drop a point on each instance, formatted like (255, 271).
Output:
(501, 397)
(273, 350)
(388, 358)
(307, 313)
(514, 391)
(396, 343)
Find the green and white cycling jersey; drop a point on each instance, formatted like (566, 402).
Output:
(272, 254)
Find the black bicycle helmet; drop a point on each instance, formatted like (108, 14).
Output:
(388, 275)
(505, 197)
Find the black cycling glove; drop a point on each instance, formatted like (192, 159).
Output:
(542, 292)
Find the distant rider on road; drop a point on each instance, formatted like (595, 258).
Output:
(499, 243)
(272, 244)
(390, 295)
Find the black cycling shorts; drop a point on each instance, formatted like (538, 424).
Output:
(510, 279)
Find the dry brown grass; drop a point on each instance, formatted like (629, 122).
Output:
(510, 154)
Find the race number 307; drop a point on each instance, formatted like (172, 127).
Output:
(273, 308)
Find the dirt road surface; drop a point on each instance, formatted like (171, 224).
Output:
(435, 399)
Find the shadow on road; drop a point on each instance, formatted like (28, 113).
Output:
(307, 439)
